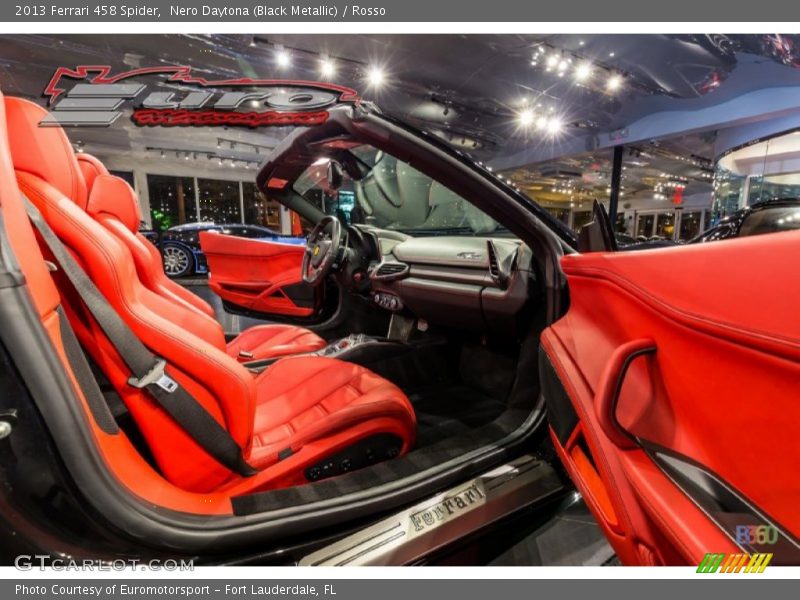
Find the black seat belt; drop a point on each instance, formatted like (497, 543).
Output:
(147, 369)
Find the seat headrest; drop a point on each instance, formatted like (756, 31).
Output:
(90, 167)
(113, 196)
(43, 151)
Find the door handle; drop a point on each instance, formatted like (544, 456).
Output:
(608, 389)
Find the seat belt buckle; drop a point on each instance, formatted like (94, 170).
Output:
(155, 376)
(245, 354)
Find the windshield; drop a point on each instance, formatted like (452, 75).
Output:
(390, 194)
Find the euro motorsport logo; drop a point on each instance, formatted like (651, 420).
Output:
(91, 96)
(734, 563)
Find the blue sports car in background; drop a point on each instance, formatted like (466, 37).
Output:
(180, 245)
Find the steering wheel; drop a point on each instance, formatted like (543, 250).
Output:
(322, 248)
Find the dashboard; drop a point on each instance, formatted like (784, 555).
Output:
(464, 282)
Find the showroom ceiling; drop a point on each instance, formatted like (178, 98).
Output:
(490, 94)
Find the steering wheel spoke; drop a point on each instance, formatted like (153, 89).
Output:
(322, 247)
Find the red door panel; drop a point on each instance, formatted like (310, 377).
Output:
(681, 367)
(258, 275)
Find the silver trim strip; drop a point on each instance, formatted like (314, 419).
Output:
(436, 522)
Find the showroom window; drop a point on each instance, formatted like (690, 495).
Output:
(172, 201)
(669, 224)
(258, 210)
(729, 191)
(178, 200)
(691, 224)
(219, 201)
(562, 214)
(581, 218)
(665, 225)
(644, 224)
(761, 171)
(773, 187)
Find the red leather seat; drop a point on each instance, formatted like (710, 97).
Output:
(113, 203)
(288, 418)
(122, 218)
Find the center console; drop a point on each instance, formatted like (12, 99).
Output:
(362, 349)
(343, 346)
(356, 348)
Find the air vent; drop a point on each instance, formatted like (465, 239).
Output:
(494, 268)
(390, 270)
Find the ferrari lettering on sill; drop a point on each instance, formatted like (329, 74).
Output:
(447, 508)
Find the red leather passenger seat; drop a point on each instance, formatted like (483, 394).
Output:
(113, 203)
(297, 414)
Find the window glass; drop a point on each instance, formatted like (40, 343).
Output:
(721, 231)
(644, 224)
(259, 210)
(581, 218)
(690, 224)
(757, 172)
(391, 194)
(619, 225)
(728, 192)
(219, 201)
(171, 201)
(236, 230)
(562, 214)
(771, 220)
(774, 187)
(665, 225)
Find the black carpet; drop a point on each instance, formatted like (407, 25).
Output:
(451, 409)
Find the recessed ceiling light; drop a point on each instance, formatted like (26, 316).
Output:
(375, 76)
(554, 126)
(283, 58)
(526, 118)
(583, 71)
(614, 83)
(327, 68)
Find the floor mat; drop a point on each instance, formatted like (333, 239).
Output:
(451, 409)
